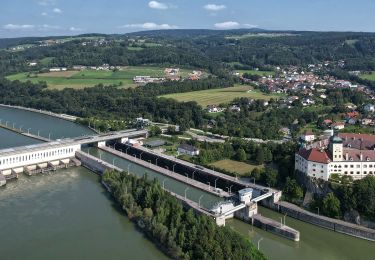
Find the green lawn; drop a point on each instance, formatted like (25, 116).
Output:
(368, 76)
(257, 72)
(235, 166)
(64, 82)
(46, 61)
(89, 78)
(220, 95)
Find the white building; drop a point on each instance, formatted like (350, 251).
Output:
(346, 155)
(245, 195)
(308, 137)
(17, 158)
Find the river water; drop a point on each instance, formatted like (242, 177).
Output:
(68, 215)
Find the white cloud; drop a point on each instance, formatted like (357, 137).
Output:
(214, 7)
(44, 14)
(248, 25)
(150, 26)
(157, 5)
(11, 26)
(57, 10)
(227, 25)
(46, 2)
(48, 27)
(75, 29)
(31, 27)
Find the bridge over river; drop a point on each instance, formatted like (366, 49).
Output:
(52, 154)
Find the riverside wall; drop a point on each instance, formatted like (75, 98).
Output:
(94, 164)
(329, 223)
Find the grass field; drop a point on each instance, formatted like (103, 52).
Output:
(220, 95)
(235, 166)
(89, 78)
(257, 72)
(368, 76)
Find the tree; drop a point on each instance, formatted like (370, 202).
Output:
(331, 206)
(241, 155)
(269, 177)
(364, 191)
(260, 156)
(292, 189)
(154, 130)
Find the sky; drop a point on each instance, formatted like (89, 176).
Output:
(70, 17)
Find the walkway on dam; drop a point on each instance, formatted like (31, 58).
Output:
(178, 177)
(49, 113)
(16, 130)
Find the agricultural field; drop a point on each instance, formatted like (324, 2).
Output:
(234, 166)
(220, 95)
(89, 78)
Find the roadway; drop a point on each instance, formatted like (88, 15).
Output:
(60, 143)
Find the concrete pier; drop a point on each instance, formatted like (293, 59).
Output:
(40, 138)
(3, 181)
(51, 166)
(275, 227)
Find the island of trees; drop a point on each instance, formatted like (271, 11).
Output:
(179, 232)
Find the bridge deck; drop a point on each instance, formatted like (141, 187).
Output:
(73, 141)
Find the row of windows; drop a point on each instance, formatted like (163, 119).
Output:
(352, 166)
(34, 156)
(365, 172)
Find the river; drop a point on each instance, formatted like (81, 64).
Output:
(67, 214)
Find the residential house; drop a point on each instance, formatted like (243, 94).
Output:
(369, 108)
(338, 125)
(188, 149)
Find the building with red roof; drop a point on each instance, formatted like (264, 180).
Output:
(345, 154)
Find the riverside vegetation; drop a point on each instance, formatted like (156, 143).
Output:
(180, 233)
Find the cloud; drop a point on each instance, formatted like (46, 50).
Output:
(75, 29)
(57, 10)
(150, 26)
(11, 26)
(31, 27)
(44, 14)
(227, 25)
(157, 5)
(46, 2)
(248, 25)
(214, 7)
(45, 27)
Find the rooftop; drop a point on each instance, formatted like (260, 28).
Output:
(315, 155)
(188, 147)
